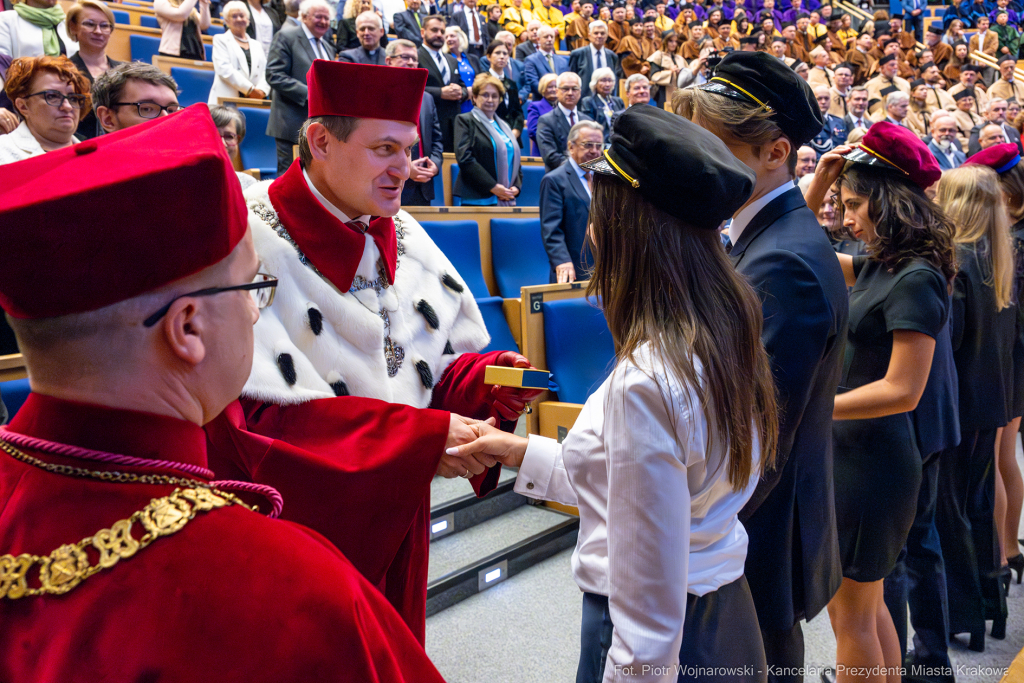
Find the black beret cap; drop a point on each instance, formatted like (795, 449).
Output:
(888, 91)
(971, 67)
(886, 59)
(916, 82)
(688, 6)
(926, 66)
(935, 29)
(966, 92)
(695, 24)
(676, 165)
(748, 40)
(1008, 58)
(760, 78)
(780, 39)
(896, 16)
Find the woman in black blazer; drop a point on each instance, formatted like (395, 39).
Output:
(510, 109)
(486, 150)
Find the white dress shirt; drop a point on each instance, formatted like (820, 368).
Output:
(265, 28)
(747, 213)
(565, 112)
(318, 49)
(860, 121)
(593, 58)
(471, 14)
(658, 516)
(439, 60)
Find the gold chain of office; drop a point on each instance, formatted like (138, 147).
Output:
(71, 564)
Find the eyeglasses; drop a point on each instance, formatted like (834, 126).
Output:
(92, 26)
(568, 88)
(229, 137)
(397, 57)
(55, 98)
(590, 146)
(149, 110)
(262, 290)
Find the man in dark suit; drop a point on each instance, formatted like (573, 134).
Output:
(409, 24)
(565, 206)
(370, 30)
(585, 60)
(426, 155)
(793, 564)
(943, 144)
(472, 24)
(857, 108)
(553, 128)
(444, 83)
(544, 60)
(291, 54)
(995, 114)
(529, 46)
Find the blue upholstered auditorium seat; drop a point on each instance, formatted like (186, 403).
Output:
(529, 193)
(209, 52)
(438, 199)
(460, 242)
(149, 21)
(193, 84)
(497, 326)
(578, 345)
(258, 150)
(121, 17)
(518, 255)
(214, 30)
(14, 394)
(143, 48)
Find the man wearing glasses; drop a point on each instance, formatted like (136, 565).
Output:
(426, 155)
(136, 323)
(368, 310)
(133, 93)
(553, 127)
(565, 206)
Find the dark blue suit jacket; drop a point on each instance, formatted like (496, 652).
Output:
(564, 211)
(406, 26)
(581, 61)
(943, 159)
(430, 136)
(537, 66)
(788, 259)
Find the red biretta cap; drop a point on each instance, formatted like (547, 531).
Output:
(117, 216)
(999, 157)
(895, 148)
(365, 91)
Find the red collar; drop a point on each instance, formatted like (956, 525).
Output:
(330, 245)
(125, 432)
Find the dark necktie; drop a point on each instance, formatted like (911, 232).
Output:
(600, 59)
(444, 69)
(476, 28)
(572, 119)
(551, 63)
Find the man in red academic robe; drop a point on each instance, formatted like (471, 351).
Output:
(120, 559)
(368, 311)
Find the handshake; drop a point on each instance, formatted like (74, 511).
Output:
(473, 446)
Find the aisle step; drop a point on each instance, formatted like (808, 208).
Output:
(459, 514)
(464, 563)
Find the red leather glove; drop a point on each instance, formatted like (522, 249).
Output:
(510, 402)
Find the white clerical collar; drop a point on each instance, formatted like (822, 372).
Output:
(331, 208)
(747, 213)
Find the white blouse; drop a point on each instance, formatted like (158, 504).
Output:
(658, 516)
(19, 144)
(264, 28)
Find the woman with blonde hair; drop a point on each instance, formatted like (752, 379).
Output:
(671, 446)
(456, 43)
(182, 26)
(984, 329)
(347, 38)
(90, 23)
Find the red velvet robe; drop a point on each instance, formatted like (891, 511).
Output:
(233, 596)
(358, 471)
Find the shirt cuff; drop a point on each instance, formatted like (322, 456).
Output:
(539, 463)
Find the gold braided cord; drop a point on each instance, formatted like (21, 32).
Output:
(71, 564)
(632, 181)
(767, 107)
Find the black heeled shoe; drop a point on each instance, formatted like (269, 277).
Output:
(1016, 563)
(977, 642)
(998, 628)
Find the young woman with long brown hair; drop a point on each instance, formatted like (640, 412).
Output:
(899, 305)
(669, 449)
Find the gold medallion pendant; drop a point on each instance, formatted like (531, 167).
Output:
(70, 564)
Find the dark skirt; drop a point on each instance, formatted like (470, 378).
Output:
(877, 474)
(720, 633)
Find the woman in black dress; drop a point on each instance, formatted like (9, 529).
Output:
(1005, 160)
(899, 304)
(983, 329)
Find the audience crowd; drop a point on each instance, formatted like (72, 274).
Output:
(531, 78)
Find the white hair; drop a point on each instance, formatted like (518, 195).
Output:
(235, 6)
(636, 78)
(896, 98)
(463, 39)
(500, 35)
(568, 75)
(599, 74)
(371, 15)
(307, 6)
(597, 23)
(994, 100)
